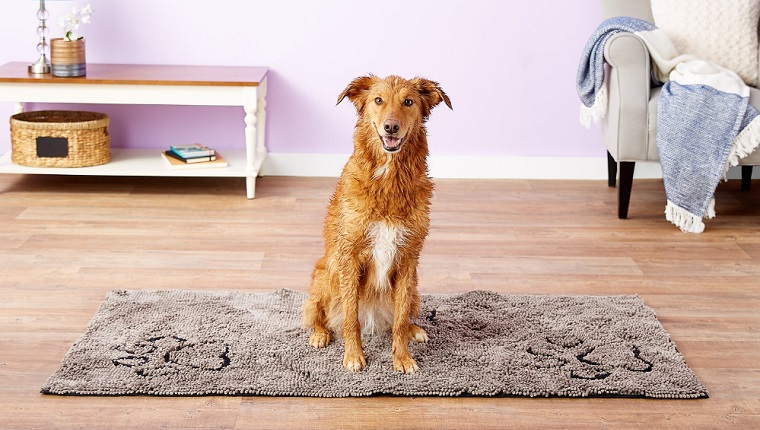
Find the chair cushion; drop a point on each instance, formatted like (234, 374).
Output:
(725, 31)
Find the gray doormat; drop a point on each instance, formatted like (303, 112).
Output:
(189, 343)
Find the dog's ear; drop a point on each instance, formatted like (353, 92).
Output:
(431, 94)
(357, 90)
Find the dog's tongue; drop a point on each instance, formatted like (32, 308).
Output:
(391, 142)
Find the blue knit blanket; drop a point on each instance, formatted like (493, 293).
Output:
(705, 123)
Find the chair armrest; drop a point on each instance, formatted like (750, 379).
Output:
(625, 129)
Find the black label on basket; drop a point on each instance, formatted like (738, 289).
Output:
(52, 147)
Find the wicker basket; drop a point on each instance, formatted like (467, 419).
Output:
(51, 138)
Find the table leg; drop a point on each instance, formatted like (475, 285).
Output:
(251, 135)
(261, 118)
(250, 186)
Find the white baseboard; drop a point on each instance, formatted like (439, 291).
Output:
(473, 167)
(462, 167)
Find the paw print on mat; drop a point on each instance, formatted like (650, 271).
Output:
(584, 360)
(172, 354)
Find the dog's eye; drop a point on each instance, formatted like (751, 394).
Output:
(408, 102)
(378, 100)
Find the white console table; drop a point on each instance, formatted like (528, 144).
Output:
(150, 84)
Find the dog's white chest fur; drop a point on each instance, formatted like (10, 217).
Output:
(385, 240)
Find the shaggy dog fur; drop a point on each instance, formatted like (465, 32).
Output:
(376, 223)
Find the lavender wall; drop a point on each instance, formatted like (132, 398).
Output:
(508, 65)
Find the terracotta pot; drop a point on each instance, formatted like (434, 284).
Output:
(67, 57)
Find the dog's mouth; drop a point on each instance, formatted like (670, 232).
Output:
(392, 144)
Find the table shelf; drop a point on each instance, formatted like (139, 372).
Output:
(143, 162)
(150, 84)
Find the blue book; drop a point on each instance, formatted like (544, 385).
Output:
(192, 151)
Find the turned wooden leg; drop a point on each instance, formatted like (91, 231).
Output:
(746, 178)
(251, 123)
(624, 191)
(611, 170)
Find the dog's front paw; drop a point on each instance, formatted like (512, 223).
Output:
(320, 338)
(354, 362)
(417, 334)
(405, 364)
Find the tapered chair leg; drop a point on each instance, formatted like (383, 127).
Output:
(624, 190)
(611, 170)
(746, 178)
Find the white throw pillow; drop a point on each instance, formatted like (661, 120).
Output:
(722, 31)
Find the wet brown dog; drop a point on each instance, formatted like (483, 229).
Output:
(376, 223)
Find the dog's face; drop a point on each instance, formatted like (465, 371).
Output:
(394, 106)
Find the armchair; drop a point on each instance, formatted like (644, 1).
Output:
(629, 128)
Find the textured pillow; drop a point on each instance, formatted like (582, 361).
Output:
(722, 31)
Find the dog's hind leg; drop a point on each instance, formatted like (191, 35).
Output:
(316, 314)
(417, 334)
(314, 308)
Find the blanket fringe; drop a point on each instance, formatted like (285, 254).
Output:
(710, 212)
(686, 221)
(745, 143)
(596, 111)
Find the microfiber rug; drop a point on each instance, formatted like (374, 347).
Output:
(189, 343)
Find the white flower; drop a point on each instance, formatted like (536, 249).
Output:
(86, 14)
(71, 22)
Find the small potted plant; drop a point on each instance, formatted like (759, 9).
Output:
(67, 54)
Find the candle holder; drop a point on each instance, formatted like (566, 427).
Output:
(42, 65)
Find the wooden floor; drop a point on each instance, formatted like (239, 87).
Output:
(66, 241)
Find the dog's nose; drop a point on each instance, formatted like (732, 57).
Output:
(391, 126)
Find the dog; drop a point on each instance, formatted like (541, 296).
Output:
(376, 223)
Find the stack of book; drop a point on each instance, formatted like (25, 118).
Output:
(192, 156)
